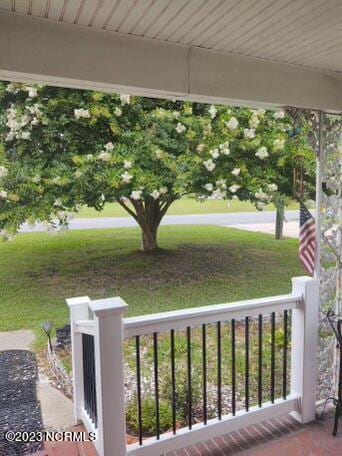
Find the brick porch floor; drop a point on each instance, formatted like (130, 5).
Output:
(279, 436)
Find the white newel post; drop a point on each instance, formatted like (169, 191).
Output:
(79, 310)
(304, 346)
(109, 365)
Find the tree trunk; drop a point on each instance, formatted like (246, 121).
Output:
(148, 214)
(280, 216)
(149, 239)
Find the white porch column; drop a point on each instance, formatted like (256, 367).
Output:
(109, 373)
(79, 310)
(304, 344)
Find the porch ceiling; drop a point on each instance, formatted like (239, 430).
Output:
(280, 42)
(301, 32)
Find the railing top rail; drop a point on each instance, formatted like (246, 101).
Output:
(179, 319)
(85, 327)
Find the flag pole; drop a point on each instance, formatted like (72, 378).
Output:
(319, 179)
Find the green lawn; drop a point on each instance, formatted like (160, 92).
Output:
(184, 206)
(197, 266)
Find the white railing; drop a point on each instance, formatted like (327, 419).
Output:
(109, 328)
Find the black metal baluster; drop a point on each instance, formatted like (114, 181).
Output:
(91, 356)
(233, 368)
(204, 369)
(137, 348)
(88, 377)
(285, 356)
(219, 372)
(247, 363)
(156, 382)
(188, 336)
(95, 398)
(85, 373)
(173, 380)
(272, 355)
(260, 361)
(89, 380)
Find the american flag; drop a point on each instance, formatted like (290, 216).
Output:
(307, 239)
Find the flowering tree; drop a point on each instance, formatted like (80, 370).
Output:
(66, 148)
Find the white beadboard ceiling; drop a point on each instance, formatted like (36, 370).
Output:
(301, 32)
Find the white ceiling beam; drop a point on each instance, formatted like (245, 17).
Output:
(33, 49)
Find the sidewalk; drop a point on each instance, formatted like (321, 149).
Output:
(291, 229)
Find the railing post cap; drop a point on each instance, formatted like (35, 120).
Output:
(109, 306)
(71, 302)
(303, 280)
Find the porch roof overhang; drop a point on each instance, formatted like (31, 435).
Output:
(61, 52)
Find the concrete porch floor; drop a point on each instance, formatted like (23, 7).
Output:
(281, 436)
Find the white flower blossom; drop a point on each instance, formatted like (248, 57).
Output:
(3, 172)
(214, 153)
(104, 156)
(260, 112)
(234, 188)
(221, 183)
(78, 174)
(254, 122)
(35, 109)
(180, 128)
(32, 92)
(25, 120)
(200, 147)
(125, 99)
(10, 136)
(11, 88)
(262, 153)
(260, 205)
(163, 190)
(209, 187)
(26, 135)
(212, 111)
(155, 194)
(236, 171)
(249, 133)
(126, 177)
(279, 143)
(3, 194)
(89, 157)
(209, 164)
(127, 164)
(224, 148)
(261, 195)
(272, 187)
(35, 121)
(118, 111)
(58, 203)
(109, 146)
(136, 194)
(279, 115)
(176, 114)
(218, 194)
(82, 113)
(102, 197)
(232, 124)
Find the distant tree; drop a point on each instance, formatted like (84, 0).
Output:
(64, 148)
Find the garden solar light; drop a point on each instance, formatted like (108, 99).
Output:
(47, 328)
